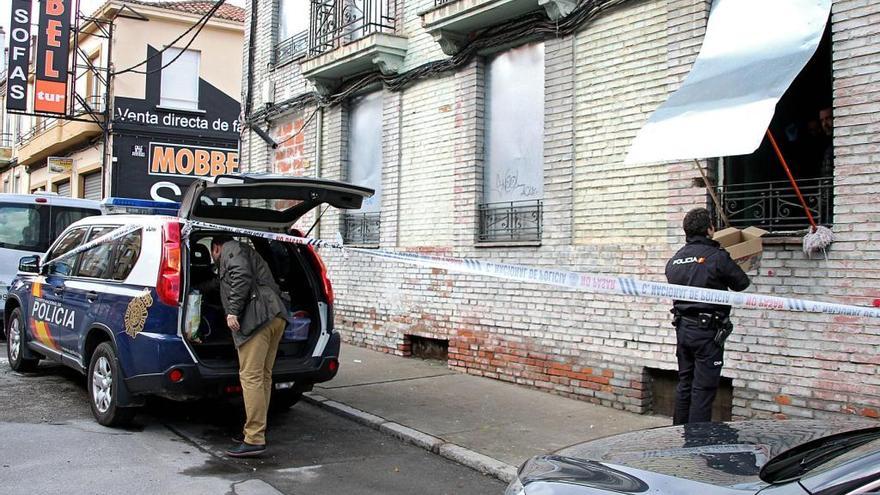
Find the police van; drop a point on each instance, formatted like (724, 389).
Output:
(29, 223)
(121, 312)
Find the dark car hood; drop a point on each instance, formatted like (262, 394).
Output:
(721, 454)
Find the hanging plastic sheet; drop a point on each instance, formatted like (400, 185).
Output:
(752, 52)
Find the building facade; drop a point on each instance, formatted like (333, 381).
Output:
(498, 129)
(168, 120)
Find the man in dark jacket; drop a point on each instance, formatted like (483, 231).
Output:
(254, 313)
(701, 327)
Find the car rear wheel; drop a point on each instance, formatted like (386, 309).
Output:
(15, 347)
(104, 383)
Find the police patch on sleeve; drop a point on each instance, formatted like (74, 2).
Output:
(136, 314)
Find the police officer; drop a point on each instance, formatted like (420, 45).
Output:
(700, 327)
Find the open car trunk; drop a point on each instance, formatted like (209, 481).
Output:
(295, 276)
(264, 203)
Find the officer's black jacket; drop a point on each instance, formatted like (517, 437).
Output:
(703, 263)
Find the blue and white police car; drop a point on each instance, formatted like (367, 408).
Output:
(118, 311)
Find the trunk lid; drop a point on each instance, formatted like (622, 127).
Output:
(271, 202)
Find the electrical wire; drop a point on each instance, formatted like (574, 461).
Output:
(529, 26)
(200, 23)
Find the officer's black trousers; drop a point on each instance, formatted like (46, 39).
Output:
(699, 371)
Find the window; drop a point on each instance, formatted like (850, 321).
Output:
(112, 260)
(755, 190)
(365, 167)
(513, 176)
(293, 30)
(95, 262)
(180, 80)
(126, 253)
(19, 227)
(71, 240)
(16, 183)
(62, 216)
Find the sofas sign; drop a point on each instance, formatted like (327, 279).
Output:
(19, 56)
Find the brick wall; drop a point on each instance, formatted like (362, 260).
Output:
(600, 216)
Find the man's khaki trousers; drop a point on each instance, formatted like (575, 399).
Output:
(256, 358)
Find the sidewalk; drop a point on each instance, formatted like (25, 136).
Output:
(487, 424)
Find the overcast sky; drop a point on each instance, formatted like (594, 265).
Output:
(87, 7)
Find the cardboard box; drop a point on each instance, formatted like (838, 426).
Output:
(745, 246)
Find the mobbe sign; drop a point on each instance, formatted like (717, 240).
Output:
(19, 55)
(53, 45)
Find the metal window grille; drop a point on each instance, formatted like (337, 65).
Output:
(774, 206)
(291, 48)
(511, 221)
(333, 23)
(361, 228)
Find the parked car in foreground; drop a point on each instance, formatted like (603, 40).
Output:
(794, 457)
(118, 311)
(29, 223)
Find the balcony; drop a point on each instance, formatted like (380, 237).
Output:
(52, 136)
(510, 222)
(451, 21)
(291, 49)
(361, 228)
(351, 37)
(774, 206)
(6, 140)
(90, 104)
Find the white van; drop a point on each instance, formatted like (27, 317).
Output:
(28, 225)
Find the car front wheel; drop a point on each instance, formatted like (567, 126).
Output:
(15, 346)
(104, 382)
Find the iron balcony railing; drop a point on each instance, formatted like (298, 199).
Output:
(333, 23)
(510, 221)
(95, 105)
(774, 206)
(291, 48)
(438, 3)
(6, 139)
(361, 228)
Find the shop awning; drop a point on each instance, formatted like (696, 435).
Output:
(752, 52)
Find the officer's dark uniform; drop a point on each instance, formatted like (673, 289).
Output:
(700, 263)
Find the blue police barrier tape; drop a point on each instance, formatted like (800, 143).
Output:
(108, 237)
(588, 282)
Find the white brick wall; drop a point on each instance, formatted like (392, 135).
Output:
(602, 216)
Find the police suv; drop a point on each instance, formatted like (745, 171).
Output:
(121, 312)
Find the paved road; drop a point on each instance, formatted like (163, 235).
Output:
(52, 445)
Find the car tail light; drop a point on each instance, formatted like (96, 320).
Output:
(168, 285)
(175, 375)
(333, 365)
(41, 200)
(322, 272)
(232, 389)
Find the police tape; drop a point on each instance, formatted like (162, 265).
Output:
(108, 237)
(587, 282)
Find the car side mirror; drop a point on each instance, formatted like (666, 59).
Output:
(29, 264)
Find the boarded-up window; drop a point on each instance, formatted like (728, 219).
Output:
(365, 147)
(514, 169)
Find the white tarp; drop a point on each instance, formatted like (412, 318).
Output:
(752, 52)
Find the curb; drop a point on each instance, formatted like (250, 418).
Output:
(456, 453)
